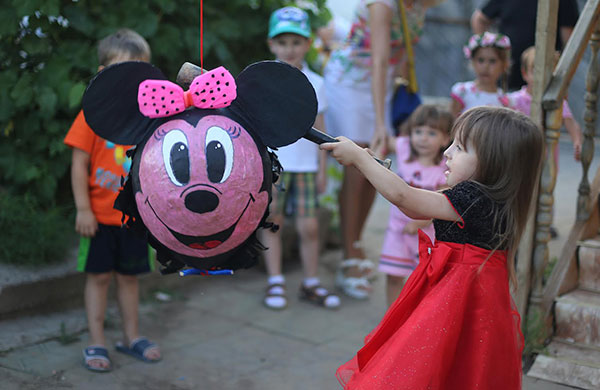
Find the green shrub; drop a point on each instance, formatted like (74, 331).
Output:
(48, 55)
(32, 235)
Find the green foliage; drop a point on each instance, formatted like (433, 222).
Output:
(549, 268)
(537, 330)
(32, 235)
(329, 199)
(48, 55)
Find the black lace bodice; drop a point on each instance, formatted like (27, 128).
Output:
(477, 211)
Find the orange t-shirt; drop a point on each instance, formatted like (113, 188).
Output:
(108, 163)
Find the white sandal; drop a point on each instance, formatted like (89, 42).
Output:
(366, 266)
(354, 287)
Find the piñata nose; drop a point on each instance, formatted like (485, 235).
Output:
(201, 201)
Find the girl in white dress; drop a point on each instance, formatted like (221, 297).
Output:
(490, 58)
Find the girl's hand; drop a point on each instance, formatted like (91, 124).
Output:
(345, 151)
(85, 223)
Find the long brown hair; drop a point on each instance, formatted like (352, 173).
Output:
(428, 115)
(509, 148)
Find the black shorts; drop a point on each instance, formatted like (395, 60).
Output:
(114, 248)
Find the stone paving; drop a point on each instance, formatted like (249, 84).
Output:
(215, 333)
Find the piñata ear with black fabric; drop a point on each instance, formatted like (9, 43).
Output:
(110, 102)
(277, 100)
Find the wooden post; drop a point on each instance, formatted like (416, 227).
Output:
(537, 230)
(587, 24)
(584, 204)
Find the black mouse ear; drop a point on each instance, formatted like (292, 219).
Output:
(110, 103)
(277, 100)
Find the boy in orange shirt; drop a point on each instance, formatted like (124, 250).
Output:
(105, 247)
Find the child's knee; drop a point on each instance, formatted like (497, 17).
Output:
(127, 279)
(99, 279)
(308, 228)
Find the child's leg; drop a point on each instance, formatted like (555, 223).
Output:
(95, 296)
(272, 240)
(128, 298)
(96, 259)
(132, 260)
(311, 289)
(393, 287)
(275, 297)
(308, 230)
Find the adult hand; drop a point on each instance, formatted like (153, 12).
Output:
(577, 151)
(379, 141)
(85, 223)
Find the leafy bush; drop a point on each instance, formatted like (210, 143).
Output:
(48, 55)
(31, 237)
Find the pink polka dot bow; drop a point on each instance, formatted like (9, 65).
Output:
(161, 98)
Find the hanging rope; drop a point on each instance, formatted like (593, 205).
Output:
(201, 39)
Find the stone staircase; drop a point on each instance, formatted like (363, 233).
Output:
(573, 356)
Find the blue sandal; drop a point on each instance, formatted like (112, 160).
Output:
(137, 348)
(96, 352)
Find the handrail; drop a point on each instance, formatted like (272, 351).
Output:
(561, 267)
(571, 56)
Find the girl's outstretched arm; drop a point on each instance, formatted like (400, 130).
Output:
(414, 202)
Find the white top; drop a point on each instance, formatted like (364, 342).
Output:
(351, 63)
(303, 155)
(469, 96)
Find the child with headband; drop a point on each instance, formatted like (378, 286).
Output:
(489, 54)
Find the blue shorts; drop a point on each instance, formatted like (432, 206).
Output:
(114, 248)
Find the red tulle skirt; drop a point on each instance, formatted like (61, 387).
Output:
(453, 327)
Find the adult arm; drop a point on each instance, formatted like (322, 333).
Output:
(568, 14)
(480, 23)
(85, 221)
(380, 24)
(565, 33)
(455, 108)
(575, 133)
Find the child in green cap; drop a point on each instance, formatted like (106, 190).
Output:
(304, 173)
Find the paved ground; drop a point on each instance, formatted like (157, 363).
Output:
(215, 334)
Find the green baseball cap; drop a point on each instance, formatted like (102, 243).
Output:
(289, 20)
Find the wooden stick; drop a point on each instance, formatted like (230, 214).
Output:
(187, 73)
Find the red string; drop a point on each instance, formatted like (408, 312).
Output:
(201, 40)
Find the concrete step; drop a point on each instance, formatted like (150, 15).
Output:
(568, 364)
(577, 316)
(589, 264)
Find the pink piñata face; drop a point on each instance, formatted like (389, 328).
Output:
(200, 186)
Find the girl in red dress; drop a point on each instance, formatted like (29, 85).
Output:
(454, 326)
